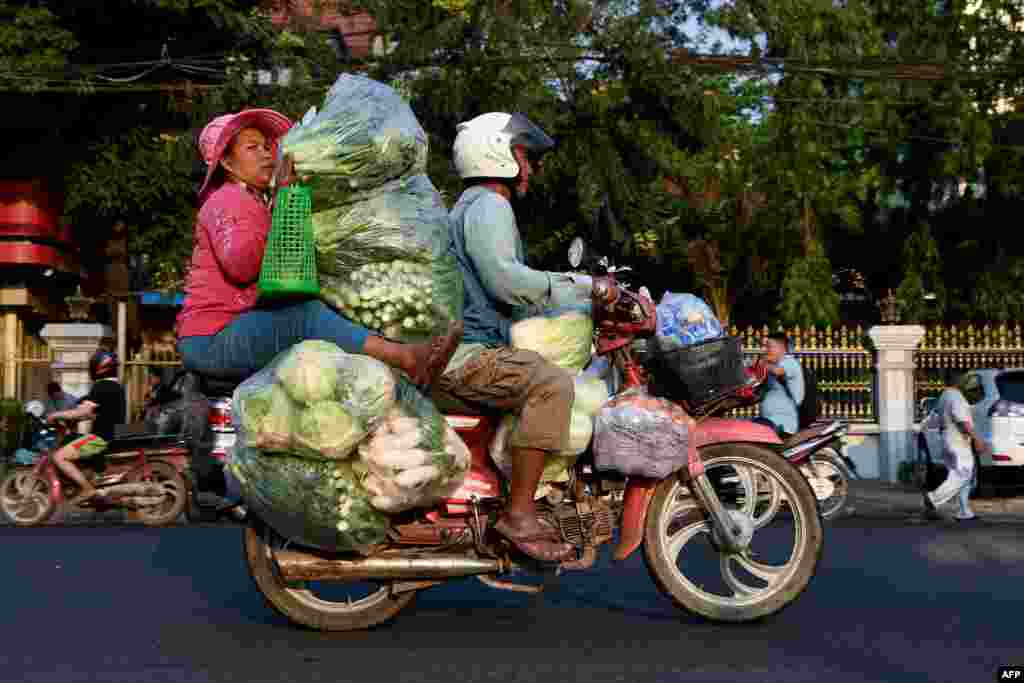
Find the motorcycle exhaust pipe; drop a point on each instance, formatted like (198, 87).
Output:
(299, 566)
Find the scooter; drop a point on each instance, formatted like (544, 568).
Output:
(682, 515)
(143, 475)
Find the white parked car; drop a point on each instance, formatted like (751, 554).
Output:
(998, 419)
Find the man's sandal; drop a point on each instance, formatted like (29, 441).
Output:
(543, 546)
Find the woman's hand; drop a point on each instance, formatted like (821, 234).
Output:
(284, 173)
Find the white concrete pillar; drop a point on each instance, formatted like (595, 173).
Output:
(896, 345)
(71, 345)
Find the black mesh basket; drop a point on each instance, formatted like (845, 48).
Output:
(698, 373)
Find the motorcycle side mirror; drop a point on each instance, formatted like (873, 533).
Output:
(576, 250)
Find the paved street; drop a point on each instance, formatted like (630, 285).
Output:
(892, 602)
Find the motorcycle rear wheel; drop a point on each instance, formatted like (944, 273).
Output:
(673, 508)
(300, 605)
(173, 483)
(25, 498)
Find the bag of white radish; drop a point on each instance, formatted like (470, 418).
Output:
(562, 336)
(413, 458)
(319, 503)
(590, 394)
(313, 400)
(384, 262)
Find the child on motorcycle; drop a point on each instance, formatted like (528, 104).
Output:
(222, 330)
(106, 406)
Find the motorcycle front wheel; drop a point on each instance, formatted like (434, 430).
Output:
(324, 606)
(777, 561)
(829, 479)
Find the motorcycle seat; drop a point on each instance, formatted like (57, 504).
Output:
(811, 432)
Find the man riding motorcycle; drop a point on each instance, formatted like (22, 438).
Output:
(495, 154)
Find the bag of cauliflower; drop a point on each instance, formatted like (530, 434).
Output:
(313, 400)
(590, 394)
(413, 457)
(562, 336)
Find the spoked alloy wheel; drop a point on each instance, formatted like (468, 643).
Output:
(25, 498)
(175, 496)
(321, 605)
(778, 559)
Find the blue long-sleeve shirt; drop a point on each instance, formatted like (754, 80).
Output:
(780, 406)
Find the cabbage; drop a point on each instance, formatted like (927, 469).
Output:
(268, 417)
(563, 337)
(307, 371)
(328, 430)
(591, 394)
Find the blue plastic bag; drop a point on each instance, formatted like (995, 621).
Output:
(684, 319)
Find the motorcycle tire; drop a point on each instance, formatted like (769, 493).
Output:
(298, 604)
(672, 507)
(172, 481)
(828, 458)
(21, 511)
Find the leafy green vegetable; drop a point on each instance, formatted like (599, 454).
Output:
(306, 371)
(328, 430)
(268, 417)
(564, 338)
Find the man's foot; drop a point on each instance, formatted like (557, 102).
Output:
(431, 358)
(535, 538)
(929, 511)
(83, 498)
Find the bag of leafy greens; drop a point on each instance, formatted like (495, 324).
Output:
(315, 503)
(363, 136)
(313, 400)
(562, 336)
(384, 261)
(413, 458)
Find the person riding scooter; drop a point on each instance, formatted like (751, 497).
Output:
(492, 155)
(107, 406)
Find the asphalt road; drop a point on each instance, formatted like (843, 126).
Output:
(891, 602)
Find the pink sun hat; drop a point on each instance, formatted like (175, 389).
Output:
(217, 135)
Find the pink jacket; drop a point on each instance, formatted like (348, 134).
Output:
(230, 236)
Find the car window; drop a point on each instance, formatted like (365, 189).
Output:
(1011, 386)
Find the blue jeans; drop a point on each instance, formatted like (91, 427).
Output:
(252, 339)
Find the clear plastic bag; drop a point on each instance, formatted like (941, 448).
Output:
(363, 136)
(636, 434)
(315, 503)
(684, 319)
(384, 261)
(590, 394)
(313, 400)
(563, 336)
(413, 458)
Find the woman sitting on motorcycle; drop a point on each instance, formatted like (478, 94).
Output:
(222, 331)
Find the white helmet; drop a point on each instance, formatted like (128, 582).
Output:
(483, 146)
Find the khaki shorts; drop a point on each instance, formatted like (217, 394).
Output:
(85, 446)
(513, 380)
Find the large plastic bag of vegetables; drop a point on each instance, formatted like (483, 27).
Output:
(313, 400)
(318, 503)
(562, 336)
(413, 458)
(637, 434)
(684, 319)
(590, 394)
(384, 260)
(363, 136)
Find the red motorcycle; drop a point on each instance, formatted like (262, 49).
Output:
(734, 569)
(142, 475)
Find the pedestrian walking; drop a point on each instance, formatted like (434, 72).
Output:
(959, 443)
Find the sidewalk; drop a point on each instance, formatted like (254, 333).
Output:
(872, 499)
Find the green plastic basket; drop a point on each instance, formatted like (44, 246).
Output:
(289, 263)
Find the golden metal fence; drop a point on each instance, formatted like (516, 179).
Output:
(843, 367)
(964, 347)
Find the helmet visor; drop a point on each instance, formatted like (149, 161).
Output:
(523, 131)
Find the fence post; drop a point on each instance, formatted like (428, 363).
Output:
(896, 345)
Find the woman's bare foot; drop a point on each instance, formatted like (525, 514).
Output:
(429, 359)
